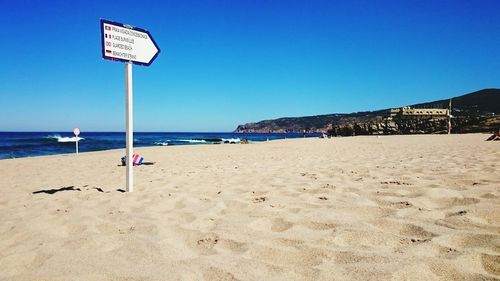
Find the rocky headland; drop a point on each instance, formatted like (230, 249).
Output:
(474, 112)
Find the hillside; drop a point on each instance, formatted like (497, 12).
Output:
(473, 112)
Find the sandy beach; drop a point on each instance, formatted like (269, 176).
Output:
(357, 208)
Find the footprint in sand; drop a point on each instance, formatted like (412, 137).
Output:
(309, 175)
(395, 182)
(393, 204)
(289, 242)
(461, 201)
(461, 240)
(232, 245)
(319, 225)
(445, 271)
(459, 213)
(217, 274)
(354, 258)
(448, 253)
(411, 233)
(208, 241)
(416, 232)
(401, 204)
(489, 196)
(491, 263)
(408, 241)
(280, 225)
(448, 271)
(386, 193)
(259, 199)
(328, 186)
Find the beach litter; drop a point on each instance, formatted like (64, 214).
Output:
(494, 137)
(137, 160)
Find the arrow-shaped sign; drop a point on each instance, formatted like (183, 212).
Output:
(127, 43)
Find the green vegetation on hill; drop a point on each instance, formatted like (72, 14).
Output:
(473, 112)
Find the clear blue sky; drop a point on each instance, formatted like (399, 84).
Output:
(224, 63)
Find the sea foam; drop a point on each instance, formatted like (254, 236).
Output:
(235, 140)
(194, 141)
(59, 138)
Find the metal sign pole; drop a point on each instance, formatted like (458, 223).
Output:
(141, 49)
(129, 126)
(76, 132)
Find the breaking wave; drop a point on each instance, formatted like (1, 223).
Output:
(59, 138)
(194, 141)
(233, 140)
(211, 140)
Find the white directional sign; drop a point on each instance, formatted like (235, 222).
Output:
(132, 45)
(126, 43)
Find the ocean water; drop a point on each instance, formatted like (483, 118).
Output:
(27, 144)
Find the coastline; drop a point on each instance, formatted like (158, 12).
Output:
(26, 144)
(413, 207)
(220, 144)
